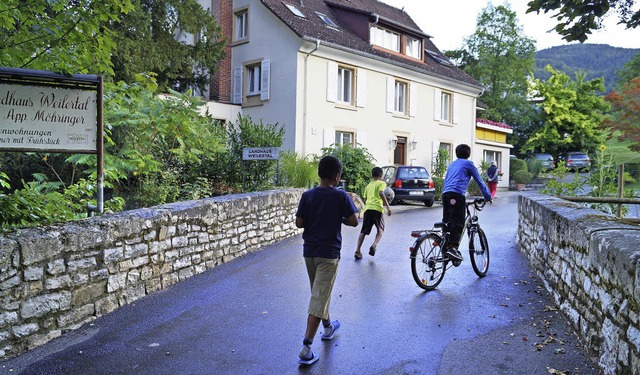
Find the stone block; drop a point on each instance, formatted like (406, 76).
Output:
(25, 329)
(116, 282)
(132, 251)
(8, 318)
(106, 305)
(56, 267)
(33, 273)
(60, 282)
(75, 265)
(88, 294)
(75, 315)
(40, 339)
(42, 305)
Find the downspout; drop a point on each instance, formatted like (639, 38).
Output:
(304, 99)
(377, 19)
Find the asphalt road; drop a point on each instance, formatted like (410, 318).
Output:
(248, 316)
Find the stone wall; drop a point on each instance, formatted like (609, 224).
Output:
(56, 278)
(589, 263)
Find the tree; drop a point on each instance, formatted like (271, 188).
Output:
(59, 35)
(629, 71)
(578, 18)
(146, 42)
(626, 113)
(572, 114)
(502, 59)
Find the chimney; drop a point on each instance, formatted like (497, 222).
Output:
(221, 80)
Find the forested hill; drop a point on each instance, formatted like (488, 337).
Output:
(596, 60)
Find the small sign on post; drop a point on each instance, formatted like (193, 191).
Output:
(260, 153)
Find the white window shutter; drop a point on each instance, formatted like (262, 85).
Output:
(329, 137)
(265, 76)
(457, 108)
(362, 139)
(413, 99)
(332, 81)
(237, 85)
(437, 104)
(391, 94)
(361, 88)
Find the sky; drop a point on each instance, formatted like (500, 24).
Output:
(450, 21)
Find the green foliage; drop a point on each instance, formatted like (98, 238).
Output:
(158, 143)
(577, 19)
(439, 164)
(176, 64)
(522, 177)
(59, 35)
(258, 174)
(439, 185)
(625, 116)
(36, 204)
(594, 60)
(517, 165)
(357, 163)
(297, 171)
(473, 189)
(572, 114)
(557, 186)
(629, 71)
(501, 58)
(534, 167)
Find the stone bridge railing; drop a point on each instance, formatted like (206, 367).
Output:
(589, 263)
(56, 278)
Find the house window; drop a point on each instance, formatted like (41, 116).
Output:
(384, 38)
(413, 47)
(344, 138)
(241, 19)
(295, 10)
(254, 84)
(445, 107)
(448, 149)
(489, 156)
(345, 85)
(400, 98)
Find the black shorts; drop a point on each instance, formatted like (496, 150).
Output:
(371, 218)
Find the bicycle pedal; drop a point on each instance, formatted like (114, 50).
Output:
(456, 263)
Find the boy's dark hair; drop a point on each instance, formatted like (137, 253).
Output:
(463, 151)
(329, 167)
(376, 172)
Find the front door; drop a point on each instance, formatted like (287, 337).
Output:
(399, 154)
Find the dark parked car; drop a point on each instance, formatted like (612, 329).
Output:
(576, 161)
(410, 182)
(546, 160)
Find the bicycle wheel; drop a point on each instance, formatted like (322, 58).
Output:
(428, 264)
(479, 252)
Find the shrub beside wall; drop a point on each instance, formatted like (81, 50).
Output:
(56, 278)
(589, 262)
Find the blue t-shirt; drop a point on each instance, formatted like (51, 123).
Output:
(322, 210)
(458, 176)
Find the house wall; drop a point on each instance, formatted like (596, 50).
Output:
(319, 118)
(270, 39)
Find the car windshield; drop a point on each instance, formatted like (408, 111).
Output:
(544, 157)
(413, 172)
(578, 156)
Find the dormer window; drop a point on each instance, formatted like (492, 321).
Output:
(441, 59)
(327, 20)
(384, 38)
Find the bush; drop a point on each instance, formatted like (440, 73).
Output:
(297, 171)
(439, 184)
(522, 177)
(534, 167)
(517, 165)
(357, 163)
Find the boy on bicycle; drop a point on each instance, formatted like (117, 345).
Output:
(321, 212)
(456, 181)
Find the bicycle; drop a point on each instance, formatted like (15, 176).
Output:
(428, 261)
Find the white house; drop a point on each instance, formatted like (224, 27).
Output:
(346, 71)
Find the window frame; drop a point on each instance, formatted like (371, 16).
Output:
(254, 79)
(340, 135)
(385, 38)
(408, 51)
(495, 156)
(241, 25)
(401, 97)
(446, 111)
(345, 90)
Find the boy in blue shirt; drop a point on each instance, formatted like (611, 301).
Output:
(456, 181)
(321, 212)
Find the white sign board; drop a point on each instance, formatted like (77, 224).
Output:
(44, 118)
(260, 153)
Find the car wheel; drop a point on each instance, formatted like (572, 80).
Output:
(429, 203)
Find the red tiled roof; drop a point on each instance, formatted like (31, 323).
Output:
(346, 13)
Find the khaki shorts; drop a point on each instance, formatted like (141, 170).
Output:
(322, 275)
